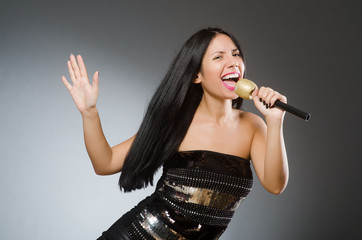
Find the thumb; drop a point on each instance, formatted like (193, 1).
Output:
(254, 94)
(96, 79)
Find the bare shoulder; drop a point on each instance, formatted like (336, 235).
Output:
(250, 119)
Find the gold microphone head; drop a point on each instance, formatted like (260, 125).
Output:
(244, 88)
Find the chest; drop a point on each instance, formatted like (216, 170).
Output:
(232, 139)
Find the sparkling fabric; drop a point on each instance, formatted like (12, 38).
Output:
(195, 198)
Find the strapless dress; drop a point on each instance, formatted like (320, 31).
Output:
(195, 198)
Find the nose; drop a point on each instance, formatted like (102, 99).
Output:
(232, 62)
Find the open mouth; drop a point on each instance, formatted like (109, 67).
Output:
(229, 80)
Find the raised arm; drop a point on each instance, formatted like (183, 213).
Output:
(268, 151)
(105, 160)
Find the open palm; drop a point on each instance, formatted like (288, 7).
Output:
(83, 93)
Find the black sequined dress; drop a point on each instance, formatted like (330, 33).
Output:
(195, 198)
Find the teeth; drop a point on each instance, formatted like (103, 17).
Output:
(234, 75)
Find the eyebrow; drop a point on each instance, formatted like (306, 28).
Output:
(222, 52)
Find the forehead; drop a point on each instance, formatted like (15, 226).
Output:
(220, 43)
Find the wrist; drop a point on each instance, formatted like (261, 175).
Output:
(89, 113)
(274, 120)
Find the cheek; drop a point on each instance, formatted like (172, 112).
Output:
(213, 76)
(213, 71)
(242, 70)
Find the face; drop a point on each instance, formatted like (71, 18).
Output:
(222, 66)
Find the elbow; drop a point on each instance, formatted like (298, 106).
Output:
(100, 172)
(276, 191)
(105, 171)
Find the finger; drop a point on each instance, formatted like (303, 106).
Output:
(263, 94)
(270, 94)
(261, 90)
(66, 83)
(75, 66)
(273, 100)
(254, 93)
(278, 96)
(83, 70)
(260, 94)
(71, 72)
(96, 80)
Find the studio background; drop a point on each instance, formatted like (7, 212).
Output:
(308, 50)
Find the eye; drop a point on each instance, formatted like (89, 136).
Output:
(217, 57)
(237, 55)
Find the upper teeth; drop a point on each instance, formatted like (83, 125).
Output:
(233, 75)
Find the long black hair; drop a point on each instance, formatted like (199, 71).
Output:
(169, 113)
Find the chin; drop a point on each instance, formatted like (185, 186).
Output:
(232, 97)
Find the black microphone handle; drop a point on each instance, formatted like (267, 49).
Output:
(292, 110)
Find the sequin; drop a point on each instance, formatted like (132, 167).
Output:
(156, 228)
(195, 198)
(202, 196)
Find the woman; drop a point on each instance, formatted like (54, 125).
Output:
(192, 130)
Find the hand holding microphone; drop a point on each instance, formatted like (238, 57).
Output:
(245, 87)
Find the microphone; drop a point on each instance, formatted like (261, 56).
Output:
(245, 87)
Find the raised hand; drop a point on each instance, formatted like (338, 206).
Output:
(264, 99)
(83, 93)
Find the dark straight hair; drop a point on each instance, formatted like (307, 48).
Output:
(169, 113)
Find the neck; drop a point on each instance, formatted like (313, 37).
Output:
(217, 110)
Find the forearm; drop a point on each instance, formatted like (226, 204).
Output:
(96, 144)
(276, 170)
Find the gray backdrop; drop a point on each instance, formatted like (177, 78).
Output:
(308, 50)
